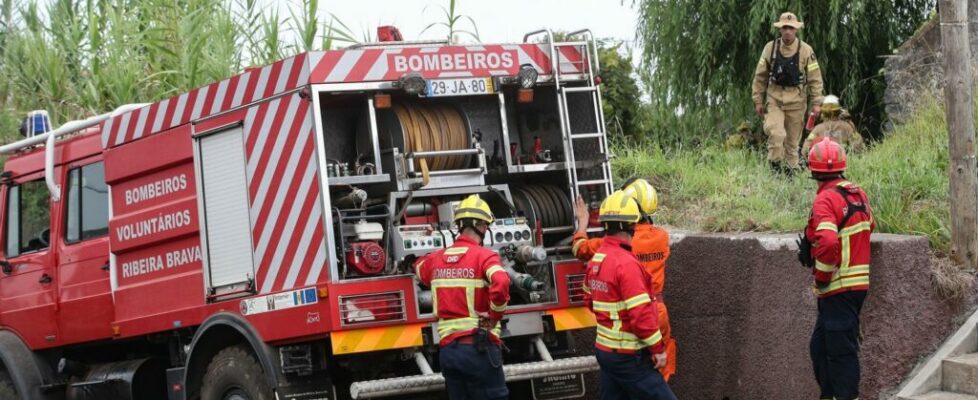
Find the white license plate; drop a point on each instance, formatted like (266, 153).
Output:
(459, 87)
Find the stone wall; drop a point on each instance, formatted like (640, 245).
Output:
(916, 68)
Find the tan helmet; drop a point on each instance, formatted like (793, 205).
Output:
(789, 19)
(831, 104)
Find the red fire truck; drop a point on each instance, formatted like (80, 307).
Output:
(246, 240)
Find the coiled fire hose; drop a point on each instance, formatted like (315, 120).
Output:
(433, 127)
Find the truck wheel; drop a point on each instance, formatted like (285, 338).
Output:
(234, 374)
(7, 390)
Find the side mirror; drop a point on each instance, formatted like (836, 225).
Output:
(6, 267)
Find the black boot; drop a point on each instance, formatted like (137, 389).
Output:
(788, 171)
(776, 167)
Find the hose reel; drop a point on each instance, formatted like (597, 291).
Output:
(544, 203)
(427, 127)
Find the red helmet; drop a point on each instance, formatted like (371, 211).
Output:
(827, 156)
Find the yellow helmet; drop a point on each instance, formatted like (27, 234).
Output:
(475, 208)
(619, 207)
(644, 193)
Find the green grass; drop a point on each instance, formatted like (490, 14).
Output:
(716, 190)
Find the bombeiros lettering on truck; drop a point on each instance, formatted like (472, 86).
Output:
(254, 236)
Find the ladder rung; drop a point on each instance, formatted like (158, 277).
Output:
(592, 183)
(587, 135)
(568, 44)
(579, 89)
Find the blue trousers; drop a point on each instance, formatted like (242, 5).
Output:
(631, 377)
(835, 345)
(471, 374)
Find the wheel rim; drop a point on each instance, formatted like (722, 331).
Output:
(236, 394)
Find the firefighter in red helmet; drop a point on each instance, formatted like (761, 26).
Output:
(836, 248)
(470, 290)
(618, 290)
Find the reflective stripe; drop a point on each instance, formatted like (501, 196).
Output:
(827, 226)
(499, 309)
(454, 251)
(846, 254)
(637, 301)
(417, 269)
(607, 306)
(447, 327)
(458, 283)
(824, 267)
(619, 344)
(845, 282)
(598, 257)
(492, 270)
(857, 270)
(653, 339)
(854, 229)
(615, 334)
(586, 289)
(813, 66)
(470, 300)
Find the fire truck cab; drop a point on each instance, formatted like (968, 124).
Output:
(252, 238)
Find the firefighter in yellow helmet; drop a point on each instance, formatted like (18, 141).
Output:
(833, 125)
(786, 78)
(471, 291)
(618, 290)
(650, 245)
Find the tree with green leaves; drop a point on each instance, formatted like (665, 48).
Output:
(701, 54)
(623, 109)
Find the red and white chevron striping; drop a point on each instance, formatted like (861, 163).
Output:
(356, 65)
(285, 209)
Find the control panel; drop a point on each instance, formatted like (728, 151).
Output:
(508, 231)
(418, 240)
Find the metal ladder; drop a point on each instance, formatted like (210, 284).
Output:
(590, 60)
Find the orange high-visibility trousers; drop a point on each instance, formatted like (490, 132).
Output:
(666, 328)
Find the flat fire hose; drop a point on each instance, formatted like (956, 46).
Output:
(410, 126)
(433, 127)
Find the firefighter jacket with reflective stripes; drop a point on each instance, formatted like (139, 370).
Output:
(618, 292)
(650, 244)
(466, 280)
(791, 97)
(841, 250)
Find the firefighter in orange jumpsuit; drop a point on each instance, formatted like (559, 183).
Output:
(651, 247)
(470, 289)
(628, 344)
(836, 246)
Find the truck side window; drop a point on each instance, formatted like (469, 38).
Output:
(87, 214)
(28, 218)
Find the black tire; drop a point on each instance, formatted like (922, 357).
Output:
(7, 389)
(234, 373)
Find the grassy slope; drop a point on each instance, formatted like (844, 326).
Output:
(717, 190)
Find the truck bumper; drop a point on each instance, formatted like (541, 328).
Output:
(435, 381)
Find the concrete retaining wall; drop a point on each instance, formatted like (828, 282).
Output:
(742, 312)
